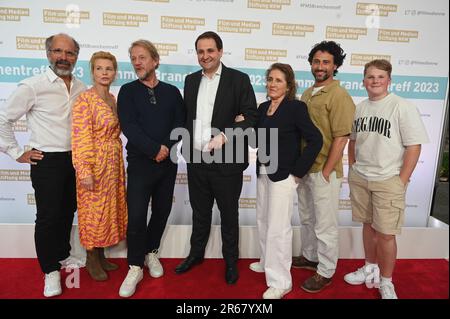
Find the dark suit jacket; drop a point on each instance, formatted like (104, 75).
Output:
(294, 124)
(234, 96)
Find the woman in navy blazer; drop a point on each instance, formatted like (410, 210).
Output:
(277, 178)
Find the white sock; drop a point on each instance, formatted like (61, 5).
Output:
(368, 264)
(385, 280)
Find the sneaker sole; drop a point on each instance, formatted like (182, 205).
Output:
(315, 291)
(155, 276)
(257, 270)
(354, 283)
(132, 293)
(53, 294)
(281, 297)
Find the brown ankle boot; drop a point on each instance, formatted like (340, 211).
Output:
(106, 265)
(94, 267)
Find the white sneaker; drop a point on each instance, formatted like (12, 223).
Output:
(387, 290)
(369, 274)
(256, 267)
(275, 293)
(52, 285)
(134, 276)
(154, 266)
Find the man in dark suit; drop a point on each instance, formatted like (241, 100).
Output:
(215, 153)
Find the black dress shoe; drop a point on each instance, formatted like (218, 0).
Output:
(231, 274)
(187, 264)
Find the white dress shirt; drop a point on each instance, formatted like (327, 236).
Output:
(45, 100)
(205, 105)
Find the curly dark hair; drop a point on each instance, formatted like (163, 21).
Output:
(332, 48)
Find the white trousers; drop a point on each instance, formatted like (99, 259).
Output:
(274, 207)
(318, 205)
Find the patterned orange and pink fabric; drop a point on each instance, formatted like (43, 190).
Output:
(97, 152)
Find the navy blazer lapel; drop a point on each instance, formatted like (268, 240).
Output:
(222, 91)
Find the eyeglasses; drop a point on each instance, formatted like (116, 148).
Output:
(59, 52)
(152, 96)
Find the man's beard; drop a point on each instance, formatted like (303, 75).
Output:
(61, 72)
(321, 78)
(144, 76)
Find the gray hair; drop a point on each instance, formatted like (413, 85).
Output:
(147, 45)
(49, 41)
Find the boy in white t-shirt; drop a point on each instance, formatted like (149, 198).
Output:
(384, 148)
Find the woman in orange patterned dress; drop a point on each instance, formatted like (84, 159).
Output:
(98, 161)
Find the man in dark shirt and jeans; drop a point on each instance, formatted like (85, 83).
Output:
(148, 110)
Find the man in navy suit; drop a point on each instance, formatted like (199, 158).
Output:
(213, 97)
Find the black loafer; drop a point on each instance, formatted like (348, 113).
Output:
(187, 264)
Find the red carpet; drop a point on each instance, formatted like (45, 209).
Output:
(414, 279)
